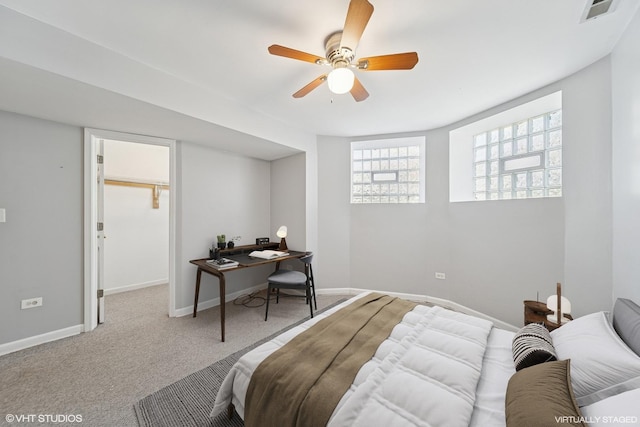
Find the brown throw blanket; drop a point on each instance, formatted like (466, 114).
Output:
(301, 383)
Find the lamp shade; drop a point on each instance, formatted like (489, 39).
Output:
(282, 232)
(340, 80)
(565, 306)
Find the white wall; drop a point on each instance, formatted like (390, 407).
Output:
(137, 245)
(586, 169)
(41, 240)
(626, 163)
(41, 189)
(135, 161)
(334, 218)
(494, 254)
(288, 200)
(218, 193)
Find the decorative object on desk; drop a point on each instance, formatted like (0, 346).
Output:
(214, 251)
(222, 263)
(232, 243)
(268, 254)
(222, 241)
(262, 240)
(282, 233)
(560, 306)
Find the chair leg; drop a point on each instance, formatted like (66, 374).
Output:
(266, 313)
(313, 286)
(277, 295)
(308, 291)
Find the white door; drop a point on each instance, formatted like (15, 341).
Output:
(100, 229)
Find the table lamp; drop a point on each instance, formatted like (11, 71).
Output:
(282, 233)
(560, 305)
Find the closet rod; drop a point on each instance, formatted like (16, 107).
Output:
(156, 189)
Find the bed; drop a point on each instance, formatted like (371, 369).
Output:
(438, 367)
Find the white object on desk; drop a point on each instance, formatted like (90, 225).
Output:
(282, 233)
(268, 254)
(552, 304)
(222, 263)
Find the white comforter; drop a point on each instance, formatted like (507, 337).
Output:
(425, 373)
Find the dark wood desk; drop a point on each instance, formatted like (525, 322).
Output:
(240, 254)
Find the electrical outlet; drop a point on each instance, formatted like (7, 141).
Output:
(440, 276)
(31, 303)
(3, 215)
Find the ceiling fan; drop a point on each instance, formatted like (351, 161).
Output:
(340, 50)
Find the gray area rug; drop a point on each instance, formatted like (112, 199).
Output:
(188, 402)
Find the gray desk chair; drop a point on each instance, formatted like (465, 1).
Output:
(288, 279)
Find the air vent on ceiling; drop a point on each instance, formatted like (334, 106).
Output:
(598, 8)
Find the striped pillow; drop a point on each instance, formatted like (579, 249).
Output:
(532, 345)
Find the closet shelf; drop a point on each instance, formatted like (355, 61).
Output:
(156, 188)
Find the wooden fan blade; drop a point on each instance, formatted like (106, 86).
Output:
(397, 61)
(287, 52)
(358, 91)
(357, 18)
(311, 86)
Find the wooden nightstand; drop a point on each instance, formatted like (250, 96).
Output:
(536, 312)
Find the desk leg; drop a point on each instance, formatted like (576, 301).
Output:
(195, 303)
(222, 303)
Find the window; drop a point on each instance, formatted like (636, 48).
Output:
(388, 171)
(515, 154)
(520, 160)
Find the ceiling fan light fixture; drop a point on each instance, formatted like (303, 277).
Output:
(340, 80)
(340, 47)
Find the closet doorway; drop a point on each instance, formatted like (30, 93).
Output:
(136, 216)
(131, 202)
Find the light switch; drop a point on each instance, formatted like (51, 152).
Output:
(3, 215)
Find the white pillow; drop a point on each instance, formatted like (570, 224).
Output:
(601, 363)
(622, 409)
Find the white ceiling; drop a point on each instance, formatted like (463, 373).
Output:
(207, 61)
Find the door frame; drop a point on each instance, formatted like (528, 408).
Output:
(90, 288)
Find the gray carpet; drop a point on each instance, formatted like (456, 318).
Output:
(138, 350)
(188, 401)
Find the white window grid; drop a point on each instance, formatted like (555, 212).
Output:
(387, 173)
(520, 160)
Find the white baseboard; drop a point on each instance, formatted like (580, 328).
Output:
(203, 305)
(419, 298)
(355, 291)
(135, 286)
(40, 339)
